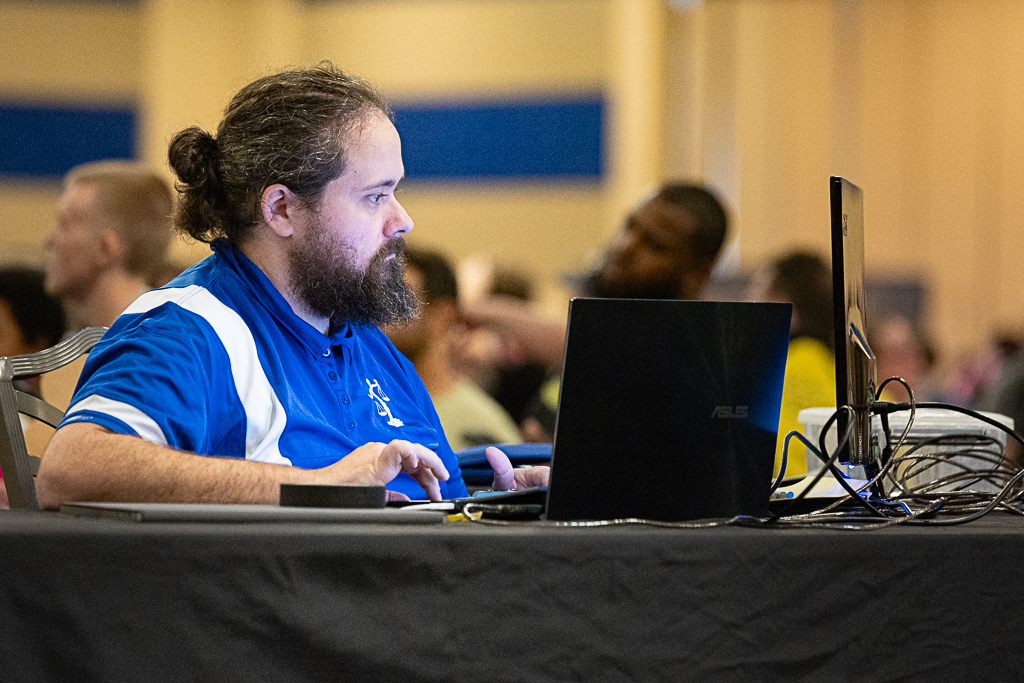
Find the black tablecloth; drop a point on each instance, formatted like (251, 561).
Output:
(104, 600)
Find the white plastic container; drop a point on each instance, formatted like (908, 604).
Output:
(928, 423)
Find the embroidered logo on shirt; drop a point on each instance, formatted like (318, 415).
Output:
(378, 396)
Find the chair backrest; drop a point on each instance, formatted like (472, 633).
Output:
(19, 468)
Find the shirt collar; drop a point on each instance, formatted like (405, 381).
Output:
(266, 294)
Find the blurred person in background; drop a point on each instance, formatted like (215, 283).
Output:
(902, 350)
(30, 321)
(495, 361)
(804, 280)
(469, 416)
(113, 230)
(666, 249)
(1003, 392)
(111, 238)
(517, 378)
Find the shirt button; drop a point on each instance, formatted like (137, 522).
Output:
(327, 353)
(351, 424)
(344, 399)
(332, 374)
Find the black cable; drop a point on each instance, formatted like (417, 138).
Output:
(896, 407)
(830, 461)
(996, 501)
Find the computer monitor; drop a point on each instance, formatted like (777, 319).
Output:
(855, 362)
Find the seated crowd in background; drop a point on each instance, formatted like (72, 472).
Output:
(433, 342)
(666, 249)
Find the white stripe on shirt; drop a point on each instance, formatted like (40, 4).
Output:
(265, 417)
(143, 424)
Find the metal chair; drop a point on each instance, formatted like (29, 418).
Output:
(20, 468)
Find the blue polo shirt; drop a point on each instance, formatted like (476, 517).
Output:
(217, 363)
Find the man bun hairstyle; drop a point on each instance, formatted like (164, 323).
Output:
(289, 128)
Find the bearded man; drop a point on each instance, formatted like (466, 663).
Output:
(268, 353)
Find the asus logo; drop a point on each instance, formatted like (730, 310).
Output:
(735, 412)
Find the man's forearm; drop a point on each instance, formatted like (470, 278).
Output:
(87, 462)
(541, 340)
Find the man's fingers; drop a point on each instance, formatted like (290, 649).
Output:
(504, 478)
(423, 465)
(532, 477)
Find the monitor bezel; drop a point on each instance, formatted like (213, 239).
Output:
(855, 362)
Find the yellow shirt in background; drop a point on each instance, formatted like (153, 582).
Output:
(810, 383)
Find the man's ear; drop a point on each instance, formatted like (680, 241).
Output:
(280, 206)
(111, 249)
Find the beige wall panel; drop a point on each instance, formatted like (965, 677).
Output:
(69, 51)
(685, 93)
(890, 115)
(805, 30)
(919, 102)
(1010, 251)
(783, 110)
(718, 115)
(191, 68)
(751, 105)
(199, 52)
(545, 229)
(634, 94)
(426, 49)
(29, 211)
(954, 164)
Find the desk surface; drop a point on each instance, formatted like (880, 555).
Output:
(85, 599)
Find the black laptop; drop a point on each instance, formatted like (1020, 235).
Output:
(669, 410)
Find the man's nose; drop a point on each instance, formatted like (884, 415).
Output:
(399, 222)
(625, 244)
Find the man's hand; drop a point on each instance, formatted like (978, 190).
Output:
(378, 464)
(507, 478)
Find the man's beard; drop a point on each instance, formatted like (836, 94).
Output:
(329, 285)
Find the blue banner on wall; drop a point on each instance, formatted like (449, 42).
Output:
(508, 140)
(49, 141)
(501, 141)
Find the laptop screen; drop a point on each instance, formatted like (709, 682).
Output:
(668, 410)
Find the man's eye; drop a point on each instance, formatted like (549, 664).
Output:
(656, 246)
(376, 198)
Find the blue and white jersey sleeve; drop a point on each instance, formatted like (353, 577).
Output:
(163, 373)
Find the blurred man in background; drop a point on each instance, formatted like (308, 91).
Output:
(113, 229)
(667, 249)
